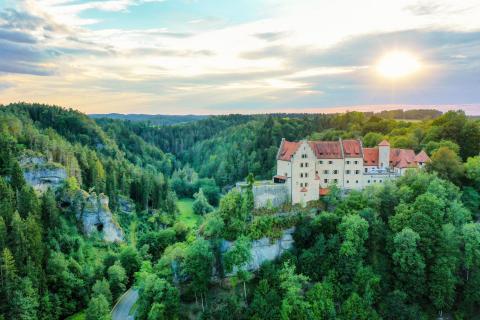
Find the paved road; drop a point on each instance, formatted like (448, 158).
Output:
(122, 308)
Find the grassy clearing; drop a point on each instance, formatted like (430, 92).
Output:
(77, 316)
(186, 215)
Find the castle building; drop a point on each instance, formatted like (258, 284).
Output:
(309, 168)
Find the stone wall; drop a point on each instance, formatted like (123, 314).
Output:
(270, 194)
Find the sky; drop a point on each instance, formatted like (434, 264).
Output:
(245, 56)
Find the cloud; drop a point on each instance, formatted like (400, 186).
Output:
(271, 36)
(295, 55)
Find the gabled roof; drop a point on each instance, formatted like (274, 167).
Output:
(384, 143)
(352, 149)
(370, 156)
(422, 157)
(326, 149)
(287, 149)
(402, 158)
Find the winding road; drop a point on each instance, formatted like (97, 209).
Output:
(122, 309)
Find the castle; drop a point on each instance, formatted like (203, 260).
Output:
(306, 169)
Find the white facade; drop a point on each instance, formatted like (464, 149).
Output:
(309, 168)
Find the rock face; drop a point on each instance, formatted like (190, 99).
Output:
(264, 249)
(126, 205)
(95, 215)
(41, 174)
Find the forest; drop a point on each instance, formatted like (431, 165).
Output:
(408, 249)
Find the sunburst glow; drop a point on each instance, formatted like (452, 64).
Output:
(397, 64)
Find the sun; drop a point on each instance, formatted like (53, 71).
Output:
(397, 64)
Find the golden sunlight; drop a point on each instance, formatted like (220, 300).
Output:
(397, 64)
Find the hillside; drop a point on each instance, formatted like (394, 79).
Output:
(89, 208)
(155, 119)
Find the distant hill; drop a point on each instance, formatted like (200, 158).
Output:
(157, 119)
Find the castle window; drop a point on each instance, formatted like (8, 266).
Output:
(335, 180)
(330, 162)
(306, 175)
(356, 162)
(325, 180)
(348, 181)
(357, 171)
(380, 180)
(374, 181)
(301, 174)
(335, 171)
(368, 181)
(348, 171)
(366, 170)
(348, 162)
(301, 184)
(306, 184)
(306, 164)
(301, 164)
(325, 171)
(321, 161)
(356, 181)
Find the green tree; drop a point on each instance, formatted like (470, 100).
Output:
(102, 287)
(356, 308)
(409, 263)
(17, 180)
(117, 279)
(239, 256)
(443, 277)
(472, 170)
(130, 260)
(447, 164)
(25, 301)
(265, 302)
(293, 306)
(7, 203)
(98, 309)
(321, 299)
(372, 139)
(201, 205)
(28, 202)
(471, 240)
(198, 265)
(158, 299)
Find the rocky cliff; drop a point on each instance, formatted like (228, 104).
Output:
(95, 216)
(41, 174)
(265, 249)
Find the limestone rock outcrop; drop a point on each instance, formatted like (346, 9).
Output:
(94, 214)
(265, 249)
(41, 174)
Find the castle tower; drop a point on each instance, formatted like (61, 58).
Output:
(384, 154)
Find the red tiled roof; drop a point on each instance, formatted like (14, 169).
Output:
(287, 150)
(352, 149)
(370, 156)
(326, 149)
(422, 157)
(324, 191)
(384, 143)
(303, 189)
(402, 158)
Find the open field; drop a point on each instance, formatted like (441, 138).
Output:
(186, 215)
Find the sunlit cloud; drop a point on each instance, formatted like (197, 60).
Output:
(297, 56)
